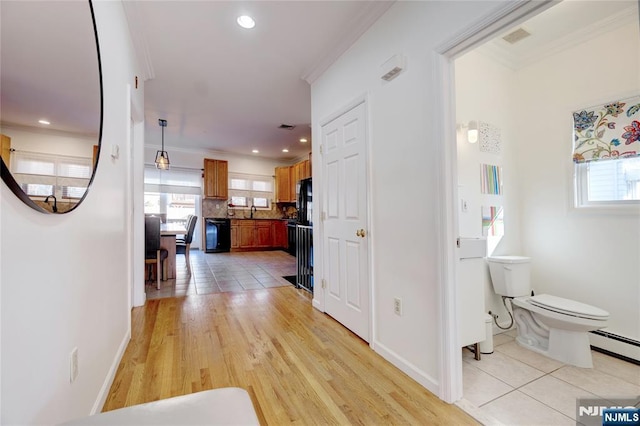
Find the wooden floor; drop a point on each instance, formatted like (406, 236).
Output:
(299, 365)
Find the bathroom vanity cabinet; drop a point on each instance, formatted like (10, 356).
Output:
(471, 271)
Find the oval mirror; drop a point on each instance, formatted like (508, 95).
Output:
(50, 101)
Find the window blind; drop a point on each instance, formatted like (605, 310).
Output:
(41, 174)
(173, 181)
(607, 132)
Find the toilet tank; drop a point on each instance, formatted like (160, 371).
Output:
(510, 275)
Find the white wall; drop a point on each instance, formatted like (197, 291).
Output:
(195, 159)
(403, 154)
(43, 141)
(484, 92)
(589, 255)
(64, 282)
(584, 255)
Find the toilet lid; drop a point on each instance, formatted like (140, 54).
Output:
(567, 306)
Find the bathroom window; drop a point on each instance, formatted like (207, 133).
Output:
(611, 182)
(606, 153)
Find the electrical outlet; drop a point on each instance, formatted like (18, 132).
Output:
(397, 306)
(73, 365)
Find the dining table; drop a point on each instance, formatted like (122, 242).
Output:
(168, 233)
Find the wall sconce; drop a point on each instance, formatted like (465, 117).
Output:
(472, 132)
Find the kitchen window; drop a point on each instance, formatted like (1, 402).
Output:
(247, 190)
(41, 175)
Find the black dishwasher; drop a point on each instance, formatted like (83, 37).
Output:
(217, 234)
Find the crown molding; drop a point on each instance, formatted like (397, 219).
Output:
(138, 35)
(361, 23)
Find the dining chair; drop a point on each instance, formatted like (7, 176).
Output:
(153, 252)
(183, 246)
(180, 238)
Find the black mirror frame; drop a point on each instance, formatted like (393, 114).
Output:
(8, 178)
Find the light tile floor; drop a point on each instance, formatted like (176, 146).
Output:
(221, 272)
(516, 386)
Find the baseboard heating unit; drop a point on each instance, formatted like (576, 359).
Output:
(616, 345)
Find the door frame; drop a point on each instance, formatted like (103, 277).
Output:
(502, 18)
(319, 302)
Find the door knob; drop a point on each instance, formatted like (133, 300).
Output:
(360, 233)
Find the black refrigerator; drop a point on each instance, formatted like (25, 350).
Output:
(304, 235)
(304, 202)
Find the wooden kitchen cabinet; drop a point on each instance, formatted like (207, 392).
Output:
(288, 177)
(262, 234)
(283, 184)
(258, 234)
(5, 149)
(279, 234)
(246, 232)
(235, 239)
(216, 179)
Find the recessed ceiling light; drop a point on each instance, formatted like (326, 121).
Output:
(43, 122)
(255, 151)
(285, 150)
(246, 21)
(303, 140)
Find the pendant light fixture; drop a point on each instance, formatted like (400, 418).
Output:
(162, 157)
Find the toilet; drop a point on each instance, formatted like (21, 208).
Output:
(550, 325)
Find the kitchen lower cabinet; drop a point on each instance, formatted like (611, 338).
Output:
(258, 234)
(279, 234)
(235, 236)
(246, 231)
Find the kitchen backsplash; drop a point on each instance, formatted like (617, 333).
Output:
(218, 208)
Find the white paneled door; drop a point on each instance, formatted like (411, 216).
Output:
(345, 244)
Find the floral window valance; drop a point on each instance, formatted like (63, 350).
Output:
(607, 132)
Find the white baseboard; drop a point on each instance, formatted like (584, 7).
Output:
(316, 304)
(411, 370)
(108, 381)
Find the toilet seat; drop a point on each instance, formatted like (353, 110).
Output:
(568, 307)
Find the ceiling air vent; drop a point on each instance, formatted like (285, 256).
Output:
(286, 127)
(517, 35)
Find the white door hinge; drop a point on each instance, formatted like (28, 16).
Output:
(320, 148)
(324, 283)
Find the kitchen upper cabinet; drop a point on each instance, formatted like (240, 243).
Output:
(216, 179)
(283, 184)
(5, 149)
(287, 178)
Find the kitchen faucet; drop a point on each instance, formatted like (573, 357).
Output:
(55, 202)
(253, 209)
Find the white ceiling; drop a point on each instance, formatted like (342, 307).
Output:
(566, 24)
(225, 88)
(221, 87)
(49, 68)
